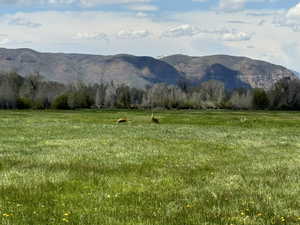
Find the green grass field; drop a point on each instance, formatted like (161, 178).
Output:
(196, 167)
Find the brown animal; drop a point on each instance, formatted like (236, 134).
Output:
(153, 119)
(122, 120)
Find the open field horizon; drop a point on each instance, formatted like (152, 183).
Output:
(194, 168)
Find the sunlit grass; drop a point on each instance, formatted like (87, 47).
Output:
(196, 167)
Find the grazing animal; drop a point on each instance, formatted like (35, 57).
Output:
(122, 120)
(153, 119)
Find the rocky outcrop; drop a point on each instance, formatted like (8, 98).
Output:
(234, 71)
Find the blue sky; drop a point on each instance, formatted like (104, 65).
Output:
(162, 5)
(261, 29)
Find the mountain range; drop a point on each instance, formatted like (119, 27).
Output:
(140, 71)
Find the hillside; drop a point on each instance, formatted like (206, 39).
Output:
(139, 72)
(233, 71)
(67, 68)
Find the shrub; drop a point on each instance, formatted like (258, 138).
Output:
(60, 102)
(24, 103)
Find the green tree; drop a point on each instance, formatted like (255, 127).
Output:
(24, 103)
(61, 102)
(260, 99)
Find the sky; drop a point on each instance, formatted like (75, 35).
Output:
(262, 29)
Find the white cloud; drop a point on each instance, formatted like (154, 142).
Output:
(236, 36)
(181, 31)
(133, 34)
(294, 13)
(223, 34)
(91, 36)
(142, 14)
(289, 18)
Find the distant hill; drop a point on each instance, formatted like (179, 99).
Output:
(66, 68)
(139, 71)
(233, 71)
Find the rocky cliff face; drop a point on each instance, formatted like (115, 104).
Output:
(233, 71)
(139, 72)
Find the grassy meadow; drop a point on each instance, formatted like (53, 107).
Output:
(196, 167)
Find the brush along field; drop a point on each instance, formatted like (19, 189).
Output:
(195, 167)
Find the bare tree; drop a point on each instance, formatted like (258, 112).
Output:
(212, 93)
(241, 99)
(110, 96)
(100, 95)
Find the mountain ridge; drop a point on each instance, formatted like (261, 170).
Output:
(141, 71)
(256, 73)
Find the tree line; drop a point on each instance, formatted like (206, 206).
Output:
(33, 92)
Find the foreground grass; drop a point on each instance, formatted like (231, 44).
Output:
(205, 168)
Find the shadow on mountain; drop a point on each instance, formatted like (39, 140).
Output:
(154, 71)
(229, 77)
